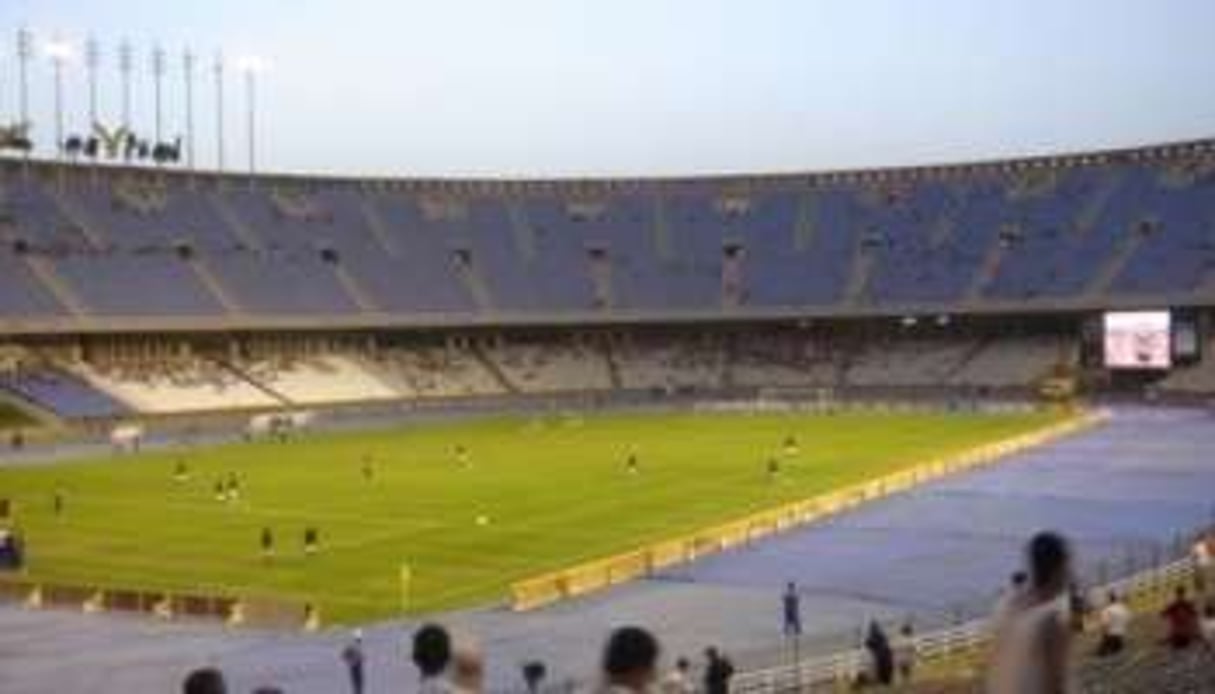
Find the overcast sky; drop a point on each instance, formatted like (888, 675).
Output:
(648, 87)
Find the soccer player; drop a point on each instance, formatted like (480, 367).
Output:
(221, 493)
(632, 464)
(462, 456)
(233, 487)
(181, 473)
(267, 544)
(790, 445)
(58, 501)
(773, 469)
(368, 469)
(312, 541)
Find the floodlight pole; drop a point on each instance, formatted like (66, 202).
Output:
(158, 73)
(124, 68)
(188, 69)
(219, 112)
(25, 51)
(92, 58)
(57, 63)
(251, 114)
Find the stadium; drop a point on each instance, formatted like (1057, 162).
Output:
(248, 415)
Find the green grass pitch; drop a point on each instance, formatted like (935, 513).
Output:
(552, 492)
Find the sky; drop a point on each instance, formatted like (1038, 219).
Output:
(555, 88)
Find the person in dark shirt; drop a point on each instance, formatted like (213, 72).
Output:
(880, 653)
(312, 540)
(630, 660)
(1181, 620)
(718, 671)
(792, 608)
(352, 656)
(205, 681)
(267, 543)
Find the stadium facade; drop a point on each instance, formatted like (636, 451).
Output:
(270, 291)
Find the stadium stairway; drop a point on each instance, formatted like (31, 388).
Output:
(377, 227)
(213, 284)
(476, 287)
(243, 231)
(494, 370)
(37, 412)
(661, 233)
(1090, 212)
(248, 378)
(613, 368)
(1112, 267)
(523, 234)
(78, 218)
(859, 273)
(352, 286)
(64, 294)
(989, 267)
(806, 226)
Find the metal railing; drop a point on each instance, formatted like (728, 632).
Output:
(1145, 589)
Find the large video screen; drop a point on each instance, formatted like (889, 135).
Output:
(1138, 340)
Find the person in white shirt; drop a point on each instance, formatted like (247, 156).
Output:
(1115, 620)
(1207, 625)
(1201, 554)
(679, 680)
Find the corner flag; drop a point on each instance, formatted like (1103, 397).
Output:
(406, 581)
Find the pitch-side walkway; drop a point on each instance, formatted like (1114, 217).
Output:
(1121, 490)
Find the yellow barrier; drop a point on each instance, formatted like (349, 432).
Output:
(91, 600)
(597, 574)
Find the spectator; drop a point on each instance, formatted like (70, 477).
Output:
(468, 669)
(881, 656)
(1181, 621)
(904, 652)
(1201, 554)
(353, 656)
(630, 660)
(1032, 639)
(791, 604)
(718, 671)
(431, 655)
(679, 680)
(1016, 584)
(205, 681)
(1077, 607)
(1208, 623)
(1115, 621)
(534, 673)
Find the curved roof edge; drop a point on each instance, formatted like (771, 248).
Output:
(480, 186)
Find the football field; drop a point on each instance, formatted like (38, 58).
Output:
(470, 506)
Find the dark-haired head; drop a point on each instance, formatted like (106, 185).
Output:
(1049, 559)
(431, 650)
(631, 658)
(205, 681)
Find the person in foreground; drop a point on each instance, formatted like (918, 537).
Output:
(432, 656)
(1032, 639)
(205, 681)
(630, 660)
